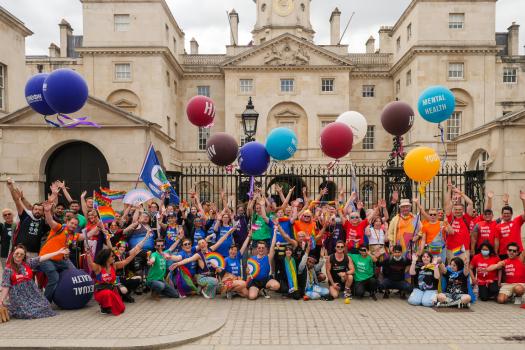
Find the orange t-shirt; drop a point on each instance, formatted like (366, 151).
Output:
(307, 227)
(431, 230)
(55, 242)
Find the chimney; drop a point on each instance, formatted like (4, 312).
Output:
(234, 27)
(385, 40)
(54, 50)
(371, 45)
(335, 27)
(65, 31)
(194, 47)
(513, 39)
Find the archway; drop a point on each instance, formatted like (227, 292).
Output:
(479, 160)
(126, 100)
(290, 115)
(81, 165)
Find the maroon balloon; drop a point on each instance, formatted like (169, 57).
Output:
(222, 149)
(201, 110)
(397, 118)
(336, 140)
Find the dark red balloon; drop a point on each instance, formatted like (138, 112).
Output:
(201, 110)
(222, 149)
(336, 140)
(397, 118)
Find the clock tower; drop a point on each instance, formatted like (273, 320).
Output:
(276, 17)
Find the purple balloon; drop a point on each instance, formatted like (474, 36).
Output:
(35, 96)
(397, 118)
(254, 159)
(65, 90)
(222, 149)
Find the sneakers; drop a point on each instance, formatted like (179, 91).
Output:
(386, 295)
(229, 295)
(517, 300)
(105, 310)
(128, 298)
(373, 295)
(347, 294)
(204, 294)
(265, 294)
(306, 298)
(155, 296)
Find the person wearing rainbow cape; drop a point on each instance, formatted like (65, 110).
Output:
(405, 230)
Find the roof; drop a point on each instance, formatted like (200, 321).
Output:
(503, 121)
(14, 22)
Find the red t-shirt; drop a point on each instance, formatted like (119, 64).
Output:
(508, 232)
(480, 264)
(486, 231)
(514, 271)
(461, 235)
(475, 221)
(355, 232)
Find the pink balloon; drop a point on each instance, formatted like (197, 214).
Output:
(201, 110)
(336, 140)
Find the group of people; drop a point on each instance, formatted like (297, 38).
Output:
(304, 249)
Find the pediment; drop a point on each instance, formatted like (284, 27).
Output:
(123, 103)
(98, 111)
(287, 114)
(461, 103)
(287, 50)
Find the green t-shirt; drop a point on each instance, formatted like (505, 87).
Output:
(261, 230)
(81, 221)
(157, 271)
(364, 267)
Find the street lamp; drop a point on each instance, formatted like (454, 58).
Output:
(249, 121)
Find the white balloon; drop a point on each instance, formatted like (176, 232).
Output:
(357, 122)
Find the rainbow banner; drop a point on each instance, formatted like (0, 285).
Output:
(184, 281)
(291, 274)
(253, 268)
(457, 251)
(216, 260)
(107, 214)
(100, 201)
(112, 194)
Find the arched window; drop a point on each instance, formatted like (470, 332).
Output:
(368, 193)
(479, 160)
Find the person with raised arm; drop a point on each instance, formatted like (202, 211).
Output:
(434, 231)
(425, 270)
(232, 276)
(514, 269)
(405, 230)
(456, 276)
(458, 241)
(509, 229)
(340, 270)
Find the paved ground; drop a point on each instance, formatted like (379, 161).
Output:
(277, 324)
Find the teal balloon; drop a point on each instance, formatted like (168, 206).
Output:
(436, 104)
(281, 143)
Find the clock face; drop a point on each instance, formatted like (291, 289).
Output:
(283, 7)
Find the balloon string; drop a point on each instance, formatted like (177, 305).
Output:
(51, 122)
(422, 188)
(74, 122)
(442, 136)
(354, 180)
(400, 151)
(250, 194)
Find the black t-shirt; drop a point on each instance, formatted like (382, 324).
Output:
(425, 279)
(394, 270)
(456, 282)
(333, 233)
(31, 231)
(6, 235)
(338, 266)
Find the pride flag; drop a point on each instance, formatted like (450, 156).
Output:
(107, 214)
(100, 201)
(184, 281)
(458, 251)
(112, 194)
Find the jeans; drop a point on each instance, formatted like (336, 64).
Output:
(52, 270)
(425, 298)
(403, 286)
(369, 285)
(317, 292)
(209, 284)
(162, 288)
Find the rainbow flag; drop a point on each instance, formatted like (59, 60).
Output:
(184, 281)
(291, 274)
(100, 201)
(112, 194)
(457, 251)
(107, 214)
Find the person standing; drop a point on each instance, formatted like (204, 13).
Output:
(7, 229)
(509, 230)
(405, 230)
(458, 241)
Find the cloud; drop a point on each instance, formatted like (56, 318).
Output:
(208, 23)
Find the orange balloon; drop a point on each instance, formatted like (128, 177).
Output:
(422, 164)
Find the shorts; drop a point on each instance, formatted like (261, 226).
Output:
(506, 288)
(338, 281)
(260, 284)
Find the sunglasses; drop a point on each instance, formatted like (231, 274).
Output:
(19, 254)
(354, 217)
(7, 214)
(512, 250)
(186, 244)
(340, 246)
(160, 246)
(433, 214)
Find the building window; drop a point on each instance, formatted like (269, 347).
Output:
(123, 71)
(398, 86)
(168, 123)
(456, 20)
(121, 23)
(369, 90)
(409, 78)
(242, 138)
(174, 45)
(481, 161)
(203, 90)
(398, 44)
(168, 78)
(3, 69)
(510, 75)
(204, 135)
(246, 86)
(368, 141)
(327, 85)
(409, 31)
(167, 31)
(287, 85)
(456, 70)
(506, 112)
(454, 126)
(287, 124)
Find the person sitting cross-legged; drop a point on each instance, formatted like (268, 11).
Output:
(456, 275)
(426, 273)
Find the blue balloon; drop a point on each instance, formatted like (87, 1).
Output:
(74, 289)
(281, 143)
(34, 95)
(436, 104)
(253, 158)
(65, 90)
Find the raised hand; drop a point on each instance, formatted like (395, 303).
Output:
(506, 198)
(324, 191)
(83, 194)
(48, 205)
(522, 195)
(490, 194)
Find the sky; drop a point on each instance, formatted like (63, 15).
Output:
(209, 25)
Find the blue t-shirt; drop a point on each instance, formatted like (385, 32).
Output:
(264, 264)
(170, 237)
(224, 248)
(234, 265)
(286, 225)
(192, 266)
(198, 235)
(138, 235)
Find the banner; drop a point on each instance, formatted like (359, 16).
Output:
(154, 177)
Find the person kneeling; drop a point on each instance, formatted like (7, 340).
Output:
(364, 273)
(456, 275)
(394, 273)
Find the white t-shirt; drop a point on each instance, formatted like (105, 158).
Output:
(376, 236)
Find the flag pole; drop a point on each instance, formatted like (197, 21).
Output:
(143, 164)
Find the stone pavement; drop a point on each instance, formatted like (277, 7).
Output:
(277, 324)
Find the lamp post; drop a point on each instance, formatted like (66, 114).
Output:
(249, 121)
